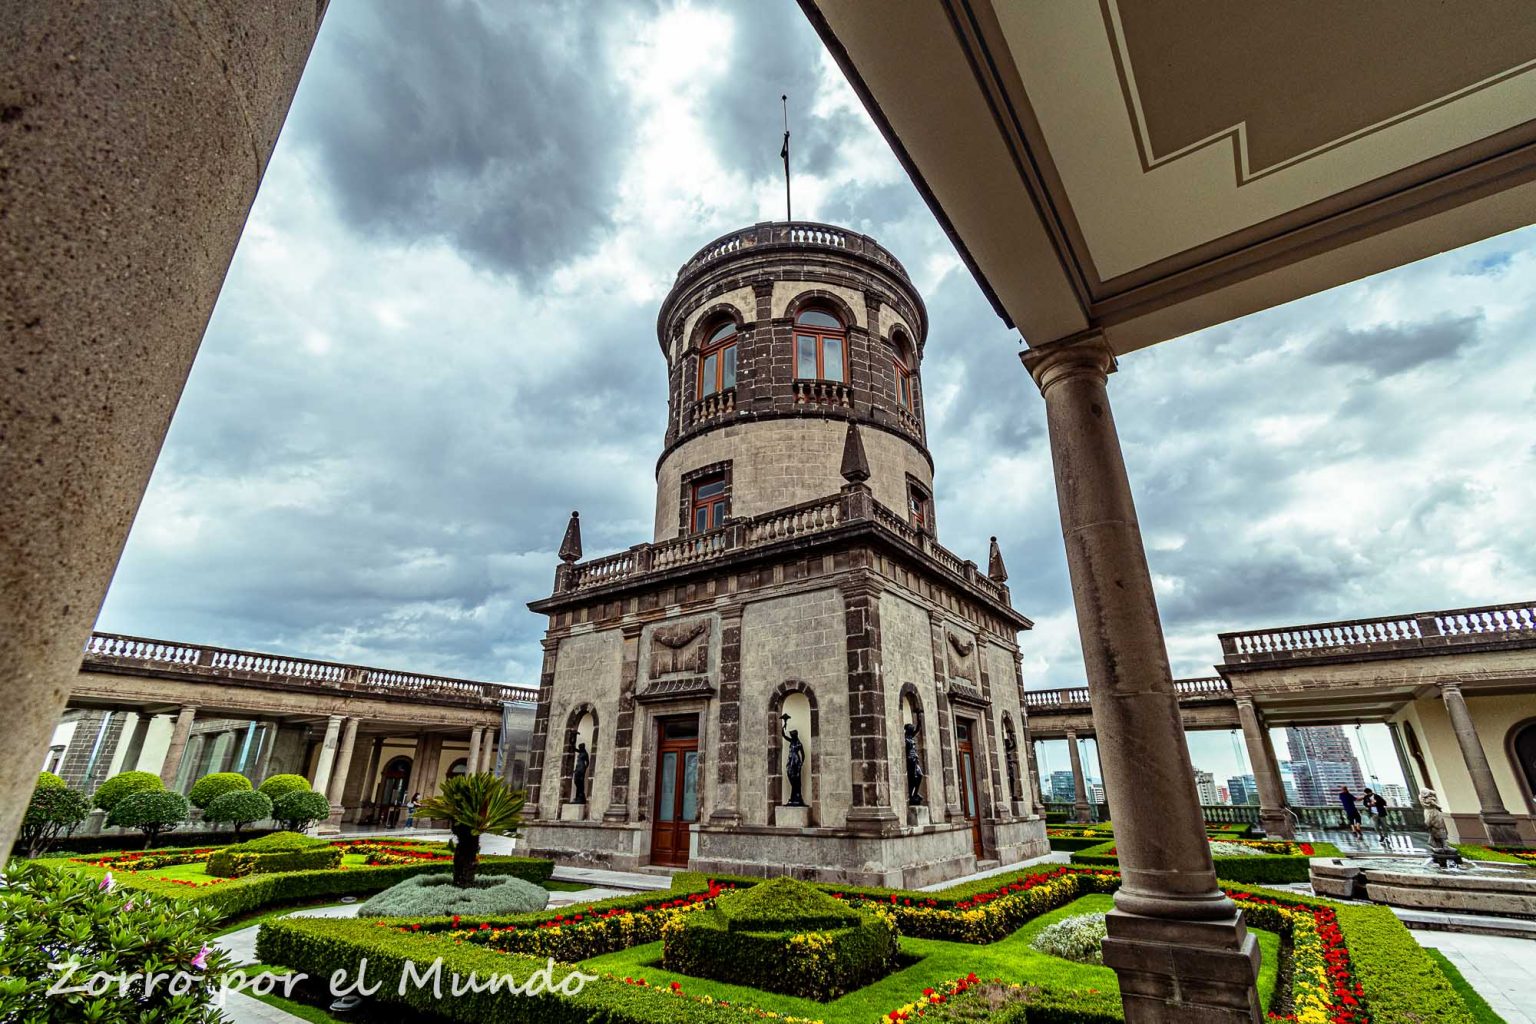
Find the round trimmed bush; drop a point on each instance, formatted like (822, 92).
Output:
(437, 896)
(279, 786)
(239, 808)
(280, 842)
(214, 785)
(52, 809)
(152, 812)
(123, 784)
(1079, 939)
(48, 780)
(298, 811)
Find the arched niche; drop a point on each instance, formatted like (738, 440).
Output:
(797, 700)
(912, 714)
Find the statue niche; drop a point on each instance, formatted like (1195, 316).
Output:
(681, 648)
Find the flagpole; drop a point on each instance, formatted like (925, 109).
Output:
(788, 210)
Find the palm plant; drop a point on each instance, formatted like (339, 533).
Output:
(472, 805)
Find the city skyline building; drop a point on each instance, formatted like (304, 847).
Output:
(1322, 761)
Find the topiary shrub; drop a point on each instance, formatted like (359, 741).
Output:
(299, 810)
(48, 780)
(151, 812)
(437, 896)
(280, 842)
(54, 916)
(1079, 939)
(125, 784)
(53, 809)
(239, 808)
(214, 785)
(279, 786)
(782, 936)
(280, 851)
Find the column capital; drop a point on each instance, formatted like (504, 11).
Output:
(1082, 355)
(1244, 700)
(1450, 686)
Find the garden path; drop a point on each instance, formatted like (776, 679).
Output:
(1498, 967)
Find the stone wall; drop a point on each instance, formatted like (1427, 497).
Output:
(907, 648)
(776, 463)
(586, 673)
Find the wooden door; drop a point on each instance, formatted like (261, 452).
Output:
(970, 795)
(676, 804)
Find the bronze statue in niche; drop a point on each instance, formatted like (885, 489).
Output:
(914, 761)
(579, 775)
(681, 648)
(794, 763)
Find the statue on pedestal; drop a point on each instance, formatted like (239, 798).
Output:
(1011, 760)
(794, 763)
(1441, 852)
(914, 763)
(579, 775)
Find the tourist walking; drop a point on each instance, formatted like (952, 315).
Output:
(1376, 807)
(1351, 810)
(410, 810)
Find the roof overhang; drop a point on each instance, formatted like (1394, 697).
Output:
(1148, 169)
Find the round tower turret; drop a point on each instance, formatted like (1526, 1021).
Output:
(776, 336)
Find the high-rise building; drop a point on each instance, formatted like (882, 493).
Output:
(1322, 761)
(1243, 790)
(1396, 795)
(1062, 789)
(1288, 783)
(1205, 783)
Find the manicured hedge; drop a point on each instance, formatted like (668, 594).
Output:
(109, 842)
(1265, 869)
(232, 862)
(1067, 844)
(1400, 980)
(214, 785)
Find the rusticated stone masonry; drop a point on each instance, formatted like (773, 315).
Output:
(870, 760)
(624, 727)
(727, 750)
(541, 725)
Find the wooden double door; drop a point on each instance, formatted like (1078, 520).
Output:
(970, 794)
(675, 804)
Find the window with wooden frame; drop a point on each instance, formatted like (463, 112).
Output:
(708, 501)
(821, 346)
(717, 360)
(906, 366)
(919, 508)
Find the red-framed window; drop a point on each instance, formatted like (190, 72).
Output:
(905, 366)
(821, 346)
(717, 361)
(919, 508)
(708, 501)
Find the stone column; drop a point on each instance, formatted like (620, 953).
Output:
(129, 739)
(1036, 798)
(1178, 945)
(342, 764)
(727, 810)
(321, 783)
(539, 740)
(1266, 772)
(170, 768)
(869, 764)
(269, 732)
(1080, 806)
(135, 136)
(472, 760)
(418, 768)
(369, 792)
(1498, 823)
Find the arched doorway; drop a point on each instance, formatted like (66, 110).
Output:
(392, 794)
(1522, 751)
(459, 767)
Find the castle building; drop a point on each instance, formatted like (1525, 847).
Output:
(794, 612)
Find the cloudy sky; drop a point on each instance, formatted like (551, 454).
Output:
(437, 338)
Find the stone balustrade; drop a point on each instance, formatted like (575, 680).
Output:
(1490, 624)
(823, 392)
(1077, 697)
(711, 407)
(809, 518)
(114, 652)
(794, 234)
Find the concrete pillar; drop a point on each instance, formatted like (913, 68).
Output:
(1080, 807)
(343, 763)
(418, 768)
(1266, 772)
(369, 792)
(1178, 945)
(1036, 797)
(129, 739)
(1498, 823)
(269, 733)
(471, 763)
(170, 768)
(135, 136)
(321, 783)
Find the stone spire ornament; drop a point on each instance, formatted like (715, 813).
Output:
(855, 468)
(570, 547)
(997, 572)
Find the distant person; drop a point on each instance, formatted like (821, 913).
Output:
(410, 810)
(1351, 810)
(1376, 807)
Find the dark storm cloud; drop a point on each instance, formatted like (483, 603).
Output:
(498, 128)
(1387, 351)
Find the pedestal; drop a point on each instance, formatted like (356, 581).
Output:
(1021, 809)
(917, 815)
(573, 812)
(791, 817)
(1184, 970)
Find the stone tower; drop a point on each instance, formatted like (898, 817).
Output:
(794, 618)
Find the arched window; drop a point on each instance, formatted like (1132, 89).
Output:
(906, 367)
(821, 350)
(717, 360)
(459, 767)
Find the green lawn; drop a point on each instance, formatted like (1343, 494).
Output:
(1011, 959)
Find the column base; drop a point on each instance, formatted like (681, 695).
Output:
(573, 812)
(1081, 813)
(1169, 969)
(872, 820)
(1277, 823)
(1501, 830)
(617, 813)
